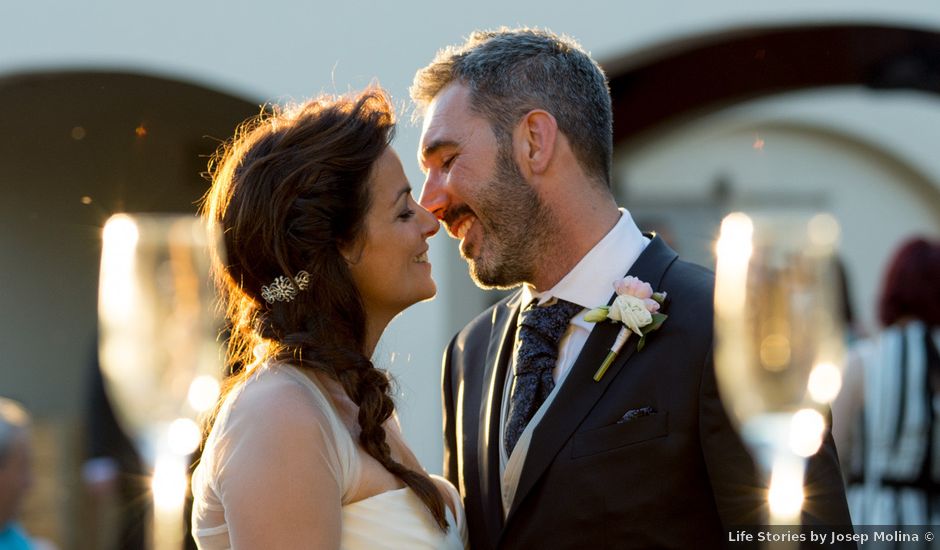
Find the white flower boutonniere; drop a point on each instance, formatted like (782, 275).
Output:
(637, 308)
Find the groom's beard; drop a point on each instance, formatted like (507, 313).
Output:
(516, 227)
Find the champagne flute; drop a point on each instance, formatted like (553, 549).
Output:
(779, 342)
(160, 359)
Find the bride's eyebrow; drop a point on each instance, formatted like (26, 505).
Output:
(406, 190)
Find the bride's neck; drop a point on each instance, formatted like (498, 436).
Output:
(375, 327)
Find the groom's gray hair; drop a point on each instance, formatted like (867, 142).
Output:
(512, 71)
(14, 421)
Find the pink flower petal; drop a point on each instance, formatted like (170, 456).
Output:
(620, 286)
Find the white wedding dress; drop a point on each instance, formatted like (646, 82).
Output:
(395, 519)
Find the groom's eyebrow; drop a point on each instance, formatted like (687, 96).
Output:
(433, 148)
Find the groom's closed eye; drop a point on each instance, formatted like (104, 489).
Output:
(436, 148)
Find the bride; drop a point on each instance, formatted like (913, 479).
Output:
(325, 246)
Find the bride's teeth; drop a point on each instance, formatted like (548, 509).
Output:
(422, 258)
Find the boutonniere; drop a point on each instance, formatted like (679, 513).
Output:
(637, 308)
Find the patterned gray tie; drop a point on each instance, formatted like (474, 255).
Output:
(540, 329)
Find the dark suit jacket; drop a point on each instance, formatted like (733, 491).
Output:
(677, 478)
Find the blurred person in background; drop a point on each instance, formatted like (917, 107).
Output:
(16, 476)
(885, 420)
(854, 329)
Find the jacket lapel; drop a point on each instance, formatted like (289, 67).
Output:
(580, 392)
(498, 356)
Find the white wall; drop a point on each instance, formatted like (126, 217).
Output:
(282, 49)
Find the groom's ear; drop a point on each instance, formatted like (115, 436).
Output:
(535, 138)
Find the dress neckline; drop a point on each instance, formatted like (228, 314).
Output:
(378, 495)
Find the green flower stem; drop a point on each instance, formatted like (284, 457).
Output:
(605, 365)
(622, 338)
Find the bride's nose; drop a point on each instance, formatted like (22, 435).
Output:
(429, 224)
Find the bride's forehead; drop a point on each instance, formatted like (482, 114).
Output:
(388, 178)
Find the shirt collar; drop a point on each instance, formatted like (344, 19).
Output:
(590, 283)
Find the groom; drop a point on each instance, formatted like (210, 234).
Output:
(516, 147)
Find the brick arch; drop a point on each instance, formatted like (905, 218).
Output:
(665, 83)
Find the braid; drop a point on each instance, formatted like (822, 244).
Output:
(369, 388)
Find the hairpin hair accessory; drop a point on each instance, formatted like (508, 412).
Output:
(282, 290)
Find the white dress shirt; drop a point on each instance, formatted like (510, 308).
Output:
(589, 284)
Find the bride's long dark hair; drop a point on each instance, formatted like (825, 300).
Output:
(288, 192)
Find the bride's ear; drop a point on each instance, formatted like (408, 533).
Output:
(351, 252)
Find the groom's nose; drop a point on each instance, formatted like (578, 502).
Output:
(434, 195)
